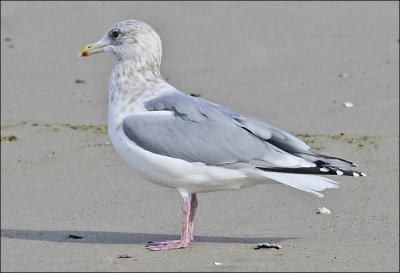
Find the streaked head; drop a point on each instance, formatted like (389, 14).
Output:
(129, 40)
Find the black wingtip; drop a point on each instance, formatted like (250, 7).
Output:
(324, 170)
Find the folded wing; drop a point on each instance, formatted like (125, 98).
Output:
(189, 128)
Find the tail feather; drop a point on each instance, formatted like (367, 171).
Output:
(309, 183)
(306, 178)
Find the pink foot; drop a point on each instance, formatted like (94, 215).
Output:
(189, 210)
(175, 244)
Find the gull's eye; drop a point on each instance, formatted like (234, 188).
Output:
(114, 33)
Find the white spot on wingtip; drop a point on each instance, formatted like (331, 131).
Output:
(324, 169)
(363, 174)
(355, 174)
(339, 172)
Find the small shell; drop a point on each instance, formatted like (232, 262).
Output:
(217, 263)
(323, 210)
(348, 104)
(267, 245)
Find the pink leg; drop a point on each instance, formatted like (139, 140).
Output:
(193, 207)
(185, 238)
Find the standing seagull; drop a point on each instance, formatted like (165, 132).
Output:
(190, 144)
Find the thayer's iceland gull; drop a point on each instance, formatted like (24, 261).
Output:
(190, 144)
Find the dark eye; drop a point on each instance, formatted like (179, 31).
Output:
(114, 33)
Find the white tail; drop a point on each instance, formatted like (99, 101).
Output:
(304, 182)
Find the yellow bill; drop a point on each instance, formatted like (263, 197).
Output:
(91, 49)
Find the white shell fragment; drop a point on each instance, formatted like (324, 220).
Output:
(217, 263)
(348, 104)
(323, 210)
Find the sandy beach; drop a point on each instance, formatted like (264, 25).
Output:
(69, 202)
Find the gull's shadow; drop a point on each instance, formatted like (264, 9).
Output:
(106, 237)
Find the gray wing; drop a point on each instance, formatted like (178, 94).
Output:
(196, 109)
(196, 130)
(211, 142)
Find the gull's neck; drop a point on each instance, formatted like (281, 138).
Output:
(130, 85)
(131, 82)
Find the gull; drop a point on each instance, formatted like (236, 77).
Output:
(190, 144)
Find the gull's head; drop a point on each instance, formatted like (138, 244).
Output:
(129, 40)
